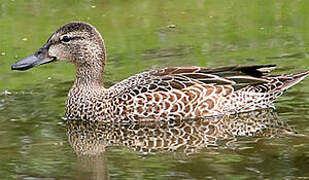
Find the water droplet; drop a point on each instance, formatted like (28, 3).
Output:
(171, 26)
(3, 54)
(6, 92)
(25, 39)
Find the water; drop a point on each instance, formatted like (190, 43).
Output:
(140, 35)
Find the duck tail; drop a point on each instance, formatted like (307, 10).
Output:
(292, 79)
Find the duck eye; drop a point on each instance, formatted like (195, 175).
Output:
(65, 38)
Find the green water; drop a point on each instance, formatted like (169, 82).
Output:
(141, 35)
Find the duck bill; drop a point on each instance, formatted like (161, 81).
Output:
(38, 58)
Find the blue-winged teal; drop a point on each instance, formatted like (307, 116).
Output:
(170, 93)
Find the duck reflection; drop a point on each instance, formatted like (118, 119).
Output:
(89, 140)
(188, 136)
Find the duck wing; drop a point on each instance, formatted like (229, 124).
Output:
(236, 76)
(182, 77)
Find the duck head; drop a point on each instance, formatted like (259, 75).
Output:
(77, 42)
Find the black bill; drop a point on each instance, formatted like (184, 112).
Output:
(38, 58)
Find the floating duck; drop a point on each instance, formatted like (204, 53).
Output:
(169, 93)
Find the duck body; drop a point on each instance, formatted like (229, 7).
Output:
(180, 93)
(169, 93)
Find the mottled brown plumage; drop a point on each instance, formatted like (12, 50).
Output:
(170, 93)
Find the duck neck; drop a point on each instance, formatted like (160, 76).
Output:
(89, 75)
(90, 65)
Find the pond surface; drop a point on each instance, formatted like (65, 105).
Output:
(35, 143)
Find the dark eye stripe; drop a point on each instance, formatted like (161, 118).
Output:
(69, 38)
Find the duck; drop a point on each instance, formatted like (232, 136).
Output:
(160, 94)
